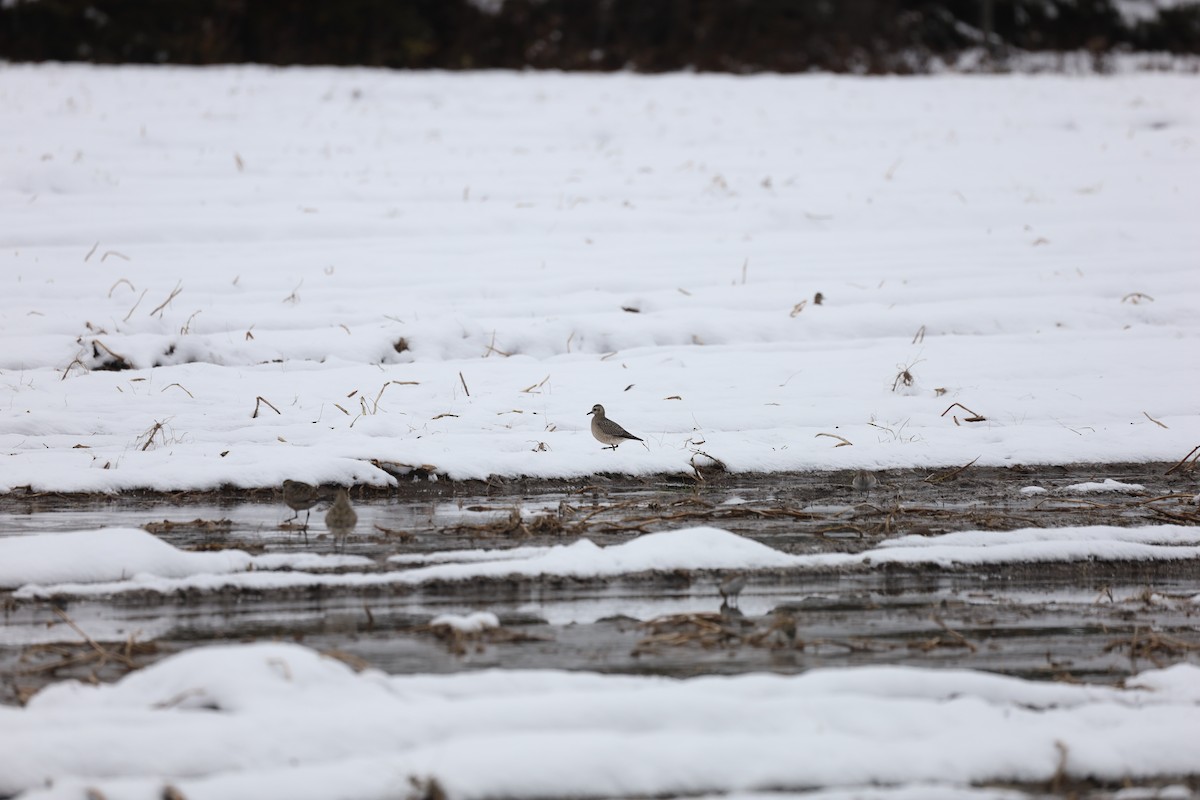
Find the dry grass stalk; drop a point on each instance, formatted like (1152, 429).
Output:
(108, 253)
(1136, 297)
(75, 362)
(707, 630)
(155, 430)
(261, 401)
(534, 388)
(199, 525)
(464, 384)
(843, 442)
(90, 253)
(181, 386)
(135, 305)
(1151, 645)
(1190, 459)
(716, 465)
(375, 402)
(104, 654)
(1152, 419)
(174, 293)
(396, 534)
(904, 376)
(458, 641)
(839, 528)
(119, 361)
(945, 476)
(187, 326)
(957, 636)
(920, 337)
(973, 418)
(491, 348)
(125, 281)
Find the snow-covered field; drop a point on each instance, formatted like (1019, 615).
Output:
(451, 269)
(303, 271)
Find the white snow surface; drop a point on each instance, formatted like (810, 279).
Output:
(1106, 485)
(115, 554)
(139, 562)
(280, 720)
(474, 622)
(1024, 246)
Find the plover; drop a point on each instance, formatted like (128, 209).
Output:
(730, 588)
(864, 482)
(606, 431)
(300, 496)
(340, 519)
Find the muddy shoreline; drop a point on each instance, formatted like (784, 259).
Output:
(421, 483)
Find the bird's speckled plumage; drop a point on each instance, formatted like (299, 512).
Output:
(300, 496)
(863, 482)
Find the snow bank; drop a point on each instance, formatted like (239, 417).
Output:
(1107, 485)
(258, 720)
(131, 554)
(467, 623)
(701, 548)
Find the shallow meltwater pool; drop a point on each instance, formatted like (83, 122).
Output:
(793, 575)
(834, 603)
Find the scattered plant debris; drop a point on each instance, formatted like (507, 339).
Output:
(973, 418)
(261, 401)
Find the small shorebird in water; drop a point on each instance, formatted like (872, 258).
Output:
(341, 518)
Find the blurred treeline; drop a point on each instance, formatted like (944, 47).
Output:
(646, 35)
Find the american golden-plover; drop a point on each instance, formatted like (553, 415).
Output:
(300, 496)
(863, 482)
(608, 432)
